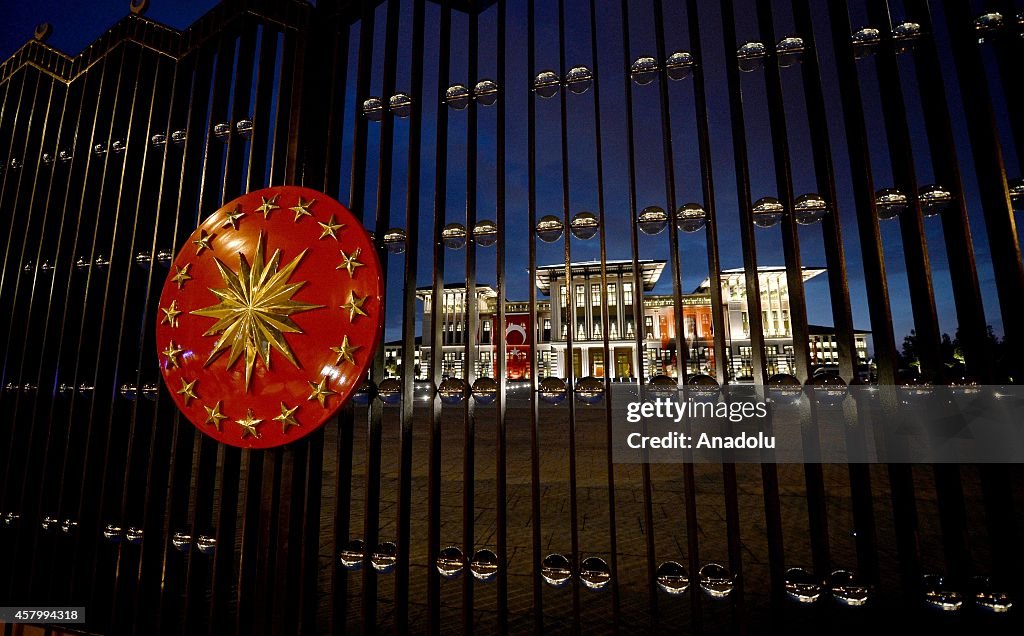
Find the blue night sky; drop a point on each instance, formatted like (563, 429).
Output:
(78, 23)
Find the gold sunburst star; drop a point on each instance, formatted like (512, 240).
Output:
(354, 306)
(249, 425)
(254, 309)
(320, 392)
(302, 208)
(287, 417)
(330, 228)
(171, 313)
(188, 390)
(344, 351)
(214, 415)
(349, 262)
(181, 275)
(172, 352)
(203, 242)
(231, 218)
(268, 206)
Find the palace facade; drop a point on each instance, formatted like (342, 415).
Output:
(577, 308)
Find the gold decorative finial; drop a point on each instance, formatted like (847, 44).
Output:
(138, 7)
(43, 31)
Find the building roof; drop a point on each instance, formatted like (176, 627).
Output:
(824, 330)
(737, 275)
(650, 271)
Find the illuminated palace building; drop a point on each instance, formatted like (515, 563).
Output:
(578, 307)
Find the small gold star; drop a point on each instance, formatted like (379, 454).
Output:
(330, 228)
(203, 242)
(344, 351)
(232, 217)
(302, 209)
(354, 306)
(171, 314)
(214, 416)
(268, 206)
(349, 262)
(188, 390)
(172, 352)
(249, 425)
(320, 392)
(287, 417)
(181, 274)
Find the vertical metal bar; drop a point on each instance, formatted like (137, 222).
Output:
(383, 209)
(412, 213)
(613, 549)
(574, 530)
(638, 294)
(501, 283)
(470, 322)
(531, 175)
(436, 301)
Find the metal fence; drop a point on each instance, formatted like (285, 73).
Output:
(111, 500)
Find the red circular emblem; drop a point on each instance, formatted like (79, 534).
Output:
(270, 317)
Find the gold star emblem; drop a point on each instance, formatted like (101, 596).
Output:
(254, 309)
(320, 392)
(214, 416)
(231, 218)
(287, 417)
(188, 390)
(330, 228)
(181, 274)
(349, 262)
(249, 425)
(203, 242)
(354, 306)
(171, 314)
(344, 351)
(302, 209)
(172, 352)
(268, 206)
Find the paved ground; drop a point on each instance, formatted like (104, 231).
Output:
(669, 524)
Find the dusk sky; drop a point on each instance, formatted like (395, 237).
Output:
(76, 24)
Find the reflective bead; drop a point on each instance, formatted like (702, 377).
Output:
(454, 236)
(546, 84)
(485, 390)
(801, 586)
(552, 390)
(485, 233)
(484, 565)
(485, 92)
(352, 554)
(672, 578)
(584, 225)
(643, 70)
(691, 217)
(450, 562)
(590, 390)
(594, 573)
(652, 220)
(384, 557)
(716, 581)
(750, 56)
(549, 228)
(679, 65)
(767, 211)
(556, 570)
